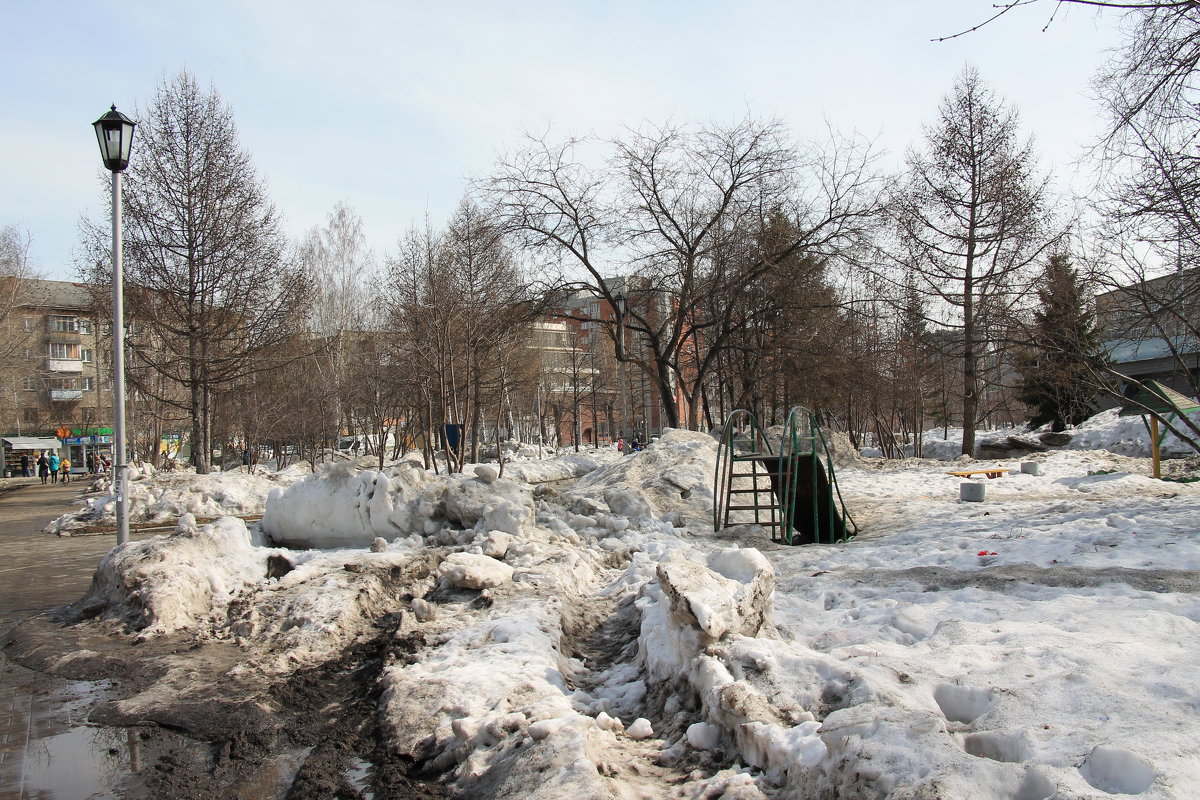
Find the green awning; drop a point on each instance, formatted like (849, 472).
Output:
(1159, 399)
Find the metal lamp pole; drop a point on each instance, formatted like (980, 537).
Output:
(621, 307)
(114, 132)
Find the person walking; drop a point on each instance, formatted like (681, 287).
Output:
(24, 465)
(43, 467)
(65, 469)
(53, 464)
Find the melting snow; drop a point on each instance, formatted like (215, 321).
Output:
(600, 640)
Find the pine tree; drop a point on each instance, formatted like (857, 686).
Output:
(1055, 379)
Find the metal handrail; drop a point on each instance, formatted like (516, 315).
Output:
(739, 421)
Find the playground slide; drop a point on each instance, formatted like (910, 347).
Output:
(814, 515)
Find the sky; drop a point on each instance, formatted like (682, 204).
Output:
(393, 107)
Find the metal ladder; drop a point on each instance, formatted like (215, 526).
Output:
(744, 443)
(794, 493)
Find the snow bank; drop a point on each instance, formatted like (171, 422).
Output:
(675, 474)
(342, 507)
(163, 497)
(297, 608)
(1127, 436)
(165, 584)
(562, 467)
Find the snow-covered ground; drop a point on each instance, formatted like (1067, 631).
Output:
(600, 640)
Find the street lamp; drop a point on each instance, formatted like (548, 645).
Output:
(114, 132)
(620, 306)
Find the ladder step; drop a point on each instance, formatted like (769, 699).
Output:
(751, 508)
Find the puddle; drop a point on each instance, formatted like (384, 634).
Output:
(359, 776)
(105, 763)
(272, 779)
(84, 762)
(70, 758)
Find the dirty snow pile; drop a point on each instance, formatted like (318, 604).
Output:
(565, 466)
(163, 497)
(1107, 430)
(600, 641)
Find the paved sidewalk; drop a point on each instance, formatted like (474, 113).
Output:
(40, 572)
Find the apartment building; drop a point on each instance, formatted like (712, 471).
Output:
(55, 365)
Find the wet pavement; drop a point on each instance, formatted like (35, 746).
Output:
(46, 749)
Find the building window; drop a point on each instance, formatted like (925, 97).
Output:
(88, 384)
(28, 353)
(29, 384)
(87, 354)
(64, 350)
(27, 323)
(65, 384)
(89, 415)
(29, 415)
(85, 326)
(61, 324)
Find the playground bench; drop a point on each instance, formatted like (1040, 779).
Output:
(994, 472)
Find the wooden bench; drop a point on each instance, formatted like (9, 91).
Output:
(993, 472)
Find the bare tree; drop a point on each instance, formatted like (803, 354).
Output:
(1172, 9)
(340, 268)
(454, 298)
(972, 218)
(204, 252)
(16, 271)
(660, 214)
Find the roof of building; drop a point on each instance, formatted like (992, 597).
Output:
(1124, 351)
(54, 294)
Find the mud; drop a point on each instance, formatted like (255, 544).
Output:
(312, 734)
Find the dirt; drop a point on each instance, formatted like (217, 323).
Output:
(314, 733)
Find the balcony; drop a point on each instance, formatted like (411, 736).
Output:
(64, 365)
(65, 395)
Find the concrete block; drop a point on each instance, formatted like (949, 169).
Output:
(972, 492)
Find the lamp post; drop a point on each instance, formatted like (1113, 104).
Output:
(114, 132)
(620, 307)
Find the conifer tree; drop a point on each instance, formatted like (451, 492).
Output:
(1056, 379)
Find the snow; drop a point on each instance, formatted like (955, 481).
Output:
(1107, 430)
(162, 497)
(599, 639)
(474, 571)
